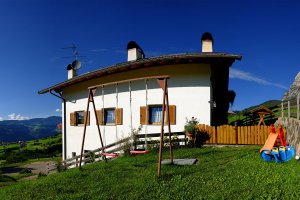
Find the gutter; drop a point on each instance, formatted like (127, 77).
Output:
(64, 127)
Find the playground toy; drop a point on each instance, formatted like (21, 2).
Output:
(270, 152)
(137, 152)
(163, 84)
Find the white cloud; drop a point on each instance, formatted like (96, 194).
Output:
(1, 118)
(239, 74)
(15, 116)
(58, 110)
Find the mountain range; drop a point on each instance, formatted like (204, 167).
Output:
(22, 130)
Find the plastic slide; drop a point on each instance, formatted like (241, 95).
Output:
(282, 154)
(270, 141)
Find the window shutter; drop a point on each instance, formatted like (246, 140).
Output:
(172, 110)
(99, 117)
(119, 116)
(87, 114)
(72, 119)
(143, 115)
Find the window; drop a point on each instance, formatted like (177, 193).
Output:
(155, 114)
(78, 118)
(110, 116)
(152, 114)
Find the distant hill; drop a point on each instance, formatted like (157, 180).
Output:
(15, 130)
(269, 104)
(241, 119)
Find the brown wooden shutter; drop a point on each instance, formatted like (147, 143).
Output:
(72, 119)
(87, 114)
(172, 110)
(143, 115)
(119, 116)
(99, 117)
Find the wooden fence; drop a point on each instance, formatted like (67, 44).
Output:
(226, 134)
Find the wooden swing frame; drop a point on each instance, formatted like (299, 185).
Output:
(163, 83)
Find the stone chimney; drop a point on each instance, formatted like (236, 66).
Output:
(134, 51)
(207, 42)
(71, 72)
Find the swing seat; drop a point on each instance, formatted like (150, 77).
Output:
(110, 154)
(137, 152)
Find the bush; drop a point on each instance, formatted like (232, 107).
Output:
(201, 137)
(60, 167)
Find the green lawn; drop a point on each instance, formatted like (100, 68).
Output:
(12, 157)
(222, 173)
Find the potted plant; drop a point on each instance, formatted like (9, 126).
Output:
(191, 127)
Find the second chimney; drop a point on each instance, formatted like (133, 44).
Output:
(207, 42)
(71, 72)
(134, 51)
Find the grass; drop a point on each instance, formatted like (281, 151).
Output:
(12, 157)
(222, 173)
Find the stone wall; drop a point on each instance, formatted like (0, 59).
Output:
(292, 127)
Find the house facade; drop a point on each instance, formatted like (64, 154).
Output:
(197, 87)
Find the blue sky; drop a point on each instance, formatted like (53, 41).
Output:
(33, 33)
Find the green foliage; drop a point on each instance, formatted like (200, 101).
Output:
(43, 148)
(60, 167)
(191, 125)
(221, 173)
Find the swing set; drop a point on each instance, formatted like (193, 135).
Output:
(163, 83)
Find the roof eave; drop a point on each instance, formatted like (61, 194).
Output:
(147, 62)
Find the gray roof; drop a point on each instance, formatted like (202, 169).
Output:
(146, 62)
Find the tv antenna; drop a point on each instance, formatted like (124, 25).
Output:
(75, 52)
(76, 64)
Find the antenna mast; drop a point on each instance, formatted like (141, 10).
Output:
(75, 51)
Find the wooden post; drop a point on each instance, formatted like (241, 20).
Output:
(162, 83)
(169, 125)
(289, 109)
(84, 130)
(216, 134)
(281, 108)
(92, 91)
(236, 133)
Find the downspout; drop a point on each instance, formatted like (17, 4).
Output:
(64, 127)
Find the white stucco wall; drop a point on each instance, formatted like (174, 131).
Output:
(189, 90)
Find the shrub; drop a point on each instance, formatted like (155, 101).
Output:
(60, 167)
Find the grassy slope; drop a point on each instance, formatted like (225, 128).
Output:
(31, 147)
(228, 172)
(269, 104)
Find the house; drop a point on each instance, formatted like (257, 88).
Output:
(197, 87)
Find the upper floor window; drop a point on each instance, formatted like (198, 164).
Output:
(110, 116)
(155, 114)
(152, 114)
(78, 118)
